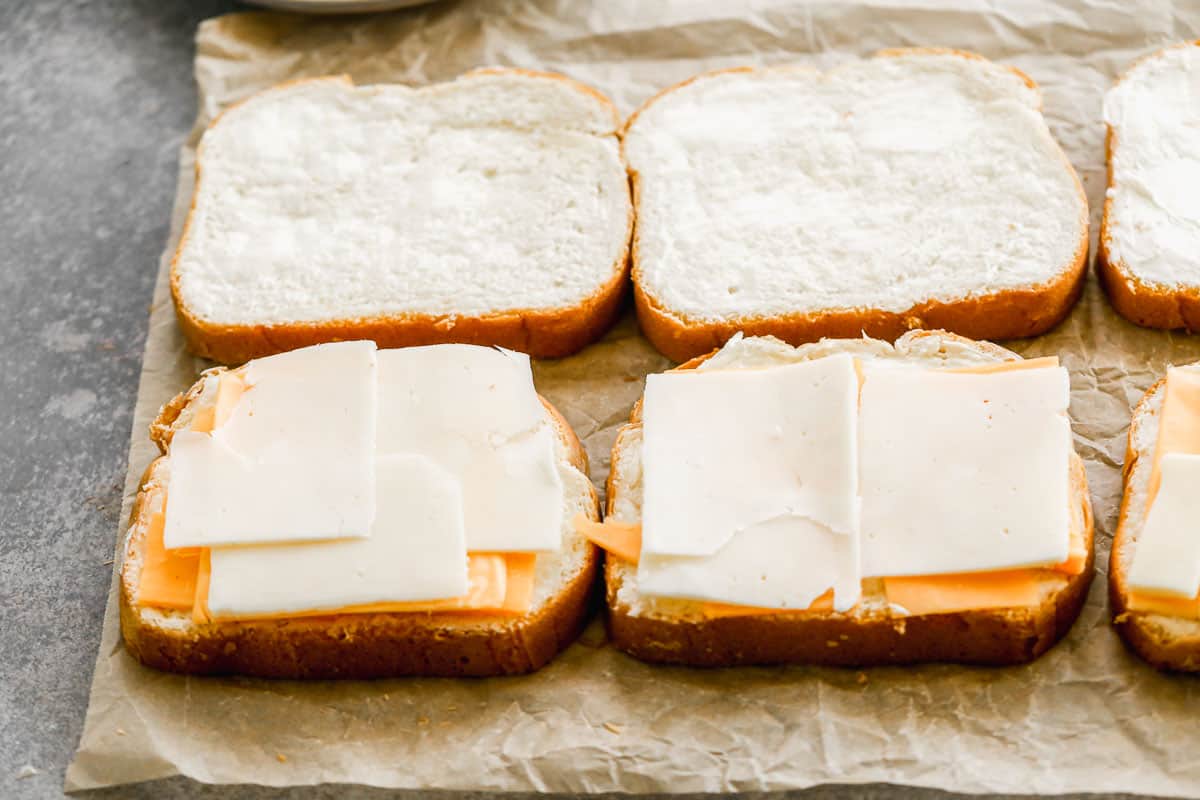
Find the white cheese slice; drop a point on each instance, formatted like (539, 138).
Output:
(295, 461)
(963, 472)
(726, 450)
(750, 485)
(474, 411)
(786, 563)
(1167, 558)
(416, 552)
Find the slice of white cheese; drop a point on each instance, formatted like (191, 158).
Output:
(1167, 558)
(474, 411)
(750, 485)
(416, 552)
(295, 461)
(726, 450)
(786, 563)
(963, 472)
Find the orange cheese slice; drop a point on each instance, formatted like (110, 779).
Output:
(1178, 432)
(621, 539)
(945, 594)
(168, 577)
(1044, 362)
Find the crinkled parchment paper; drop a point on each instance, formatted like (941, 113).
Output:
(1086, 717)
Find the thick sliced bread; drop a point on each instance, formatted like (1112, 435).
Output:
(376, 645)
(672, 631)
(494, 209)
(1170, 643)
(916, 189)
(1149, 253)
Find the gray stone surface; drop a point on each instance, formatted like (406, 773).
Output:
(95, 99)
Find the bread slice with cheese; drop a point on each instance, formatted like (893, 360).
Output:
(873, 631)
(422, 639)
(1163, 630)
(1149, 253)
(919, 188)
(493, 209)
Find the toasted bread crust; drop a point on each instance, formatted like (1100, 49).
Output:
(543, 333)
(1146, 304)
(1008, 314)
(993, 637)
(1139, 630)
(462, 644)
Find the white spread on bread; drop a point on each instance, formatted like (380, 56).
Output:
(321, 200)
(1153, 219)
(882, 184)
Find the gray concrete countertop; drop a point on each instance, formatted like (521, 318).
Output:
(95, 99)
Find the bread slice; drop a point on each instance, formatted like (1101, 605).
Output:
(494, 209)
(376, 645)
(672, 631)
(1149, 253)
(916, 189)
(1169, 643)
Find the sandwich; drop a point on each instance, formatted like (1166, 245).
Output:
(490, 210)
(847, 502)
(1154, 568)
(1149, 254)
(915, 189)
(340, 511)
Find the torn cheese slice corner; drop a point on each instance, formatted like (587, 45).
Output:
(474, 411)
(416, 552)
(963, 472)
(1166, 560)
(294, 461)
(750, 485)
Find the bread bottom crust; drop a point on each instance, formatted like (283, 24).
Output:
(540, 333)
(987, 637)
(367, 645)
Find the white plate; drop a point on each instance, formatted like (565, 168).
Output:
(339, 6)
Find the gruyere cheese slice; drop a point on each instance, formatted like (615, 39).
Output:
(1167, 558)
(750, 485)
(963, 472)
(785, 563)
(473, 410)
(293, 461)
(416, 552)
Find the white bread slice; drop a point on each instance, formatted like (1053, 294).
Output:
(493, 209)
(1169, 643)
(1149, 253)
(672, 631)
(376, 645)
(919, 188)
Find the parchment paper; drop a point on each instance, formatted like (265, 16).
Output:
(1086, 717)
